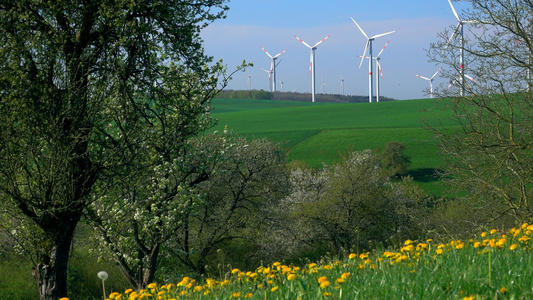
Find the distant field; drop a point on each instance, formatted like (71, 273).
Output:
(317, 133)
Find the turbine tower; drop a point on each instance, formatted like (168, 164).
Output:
(368, 47)
(312, 64)
(430, 81)
(249, 82)
(273, 67)
(459, 29)
(342, 86)
(378, 65)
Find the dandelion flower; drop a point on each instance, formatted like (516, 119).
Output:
(291, 276)
(352, 256)
(513, 247)
(274, 289)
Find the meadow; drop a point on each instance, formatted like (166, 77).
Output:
(318, 133)
(491, 265)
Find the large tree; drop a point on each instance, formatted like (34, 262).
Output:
(490, 152)
(85, 89)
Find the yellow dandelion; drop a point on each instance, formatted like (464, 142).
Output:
(326, 294)
(513, 246)
(324, 284)
(340, 280)
(65, 298)
(249, 295)
(152, 286)
(439, 251)
(503, 290)
(493, 231)
(363, 255)
(274, 289)
(471, 297)
(352, 256)
(235, 271)
(483, 234)
(291, 276)
(408, 242)
(346, 275)
(237, 295)
(128, 291)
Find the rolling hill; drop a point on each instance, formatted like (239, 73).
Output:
(317, 133)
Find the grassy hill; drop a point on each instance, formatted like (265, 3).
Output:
(317, 133)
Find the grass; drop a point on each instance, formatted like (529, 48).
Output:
(316, 133)
(494, 264)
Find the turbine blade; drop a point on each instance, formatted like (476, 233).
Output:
(321, 41)
(456, 30)
(379, 69)
(454, 11)
(303, 42)
(360, 28)
(380, 35)
(470, 77)
(266, 52)
(280, 53)
(436, 73)
(422, 77)
(364, 53)
(310, 61)
(279, 62)
(382, 49)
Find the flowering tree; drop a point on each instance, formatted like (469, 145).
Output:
(91, 91)
(352, 206)
(216, 189)
(490, 153)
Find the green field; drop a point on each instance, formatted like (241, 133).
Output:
(317, 133)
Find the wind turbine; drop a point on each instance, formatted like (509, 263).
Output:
(342, 86)
(430, 81)
(273, 66)
(312, 64)
(459, 29)
(269, 78)
(250, 82)
(368, 47)
(377, 59)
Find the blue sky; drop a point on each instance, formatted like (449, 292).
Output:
(272, 24)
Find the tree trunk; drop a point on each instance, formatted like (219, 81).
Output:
(51, 270)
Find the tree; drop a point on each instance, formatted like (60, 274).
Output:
(217, 190)
(87, 89)
(352, 205)
(490, 152)
(394, 160)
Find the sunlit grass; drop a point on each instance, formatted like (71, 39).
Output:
(494, 264)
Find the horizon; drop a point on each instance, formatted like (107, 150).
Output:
(252, 24)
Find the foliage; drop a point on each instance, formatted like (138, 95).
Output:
(490, 155)
(493, 264)
(352, 206)
(394, 160)
(294, 96)
(218, 188)
(83, 88)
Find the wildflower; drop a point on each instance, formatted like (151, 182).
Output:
(324, 284)
(524, 239)
(249, 295)
(340, 280)
(483, 234)
(152, 286)
(64, 298)
(128, 291)
(363, 255)
(471, 297)
(237, 295)
(513, 247)
(439, 251)
(346, 275)
(408, 242)
(503, 290)
(274, 289)
(477, 244)
(493, 231)
(291, 276)
(352, 256)
(408, 248)
(235, 271)
(326, 294)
